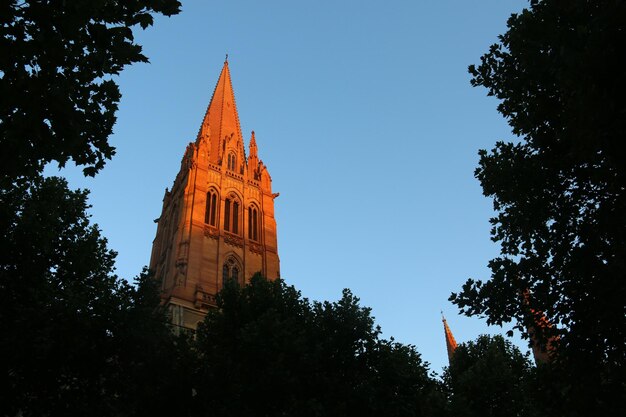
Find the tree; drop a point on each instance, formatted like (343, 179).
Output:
(76, 340)
(559, 192)
(489, 377)
(57, 97)
(269, 352)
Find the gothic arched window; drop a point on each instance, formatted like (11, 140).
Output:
(253, 223)
(231, 271)
(232, 161)
(231, 215)
(210, 214)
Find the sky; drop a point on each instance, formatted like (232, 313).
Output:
(365, 117)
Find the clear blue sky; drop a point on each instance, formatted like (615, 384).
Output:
(363, 113)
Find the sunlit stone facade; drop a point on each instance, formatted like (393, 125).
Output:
(217, 221)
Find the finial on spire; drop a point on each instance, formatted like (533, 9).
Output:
(226, 59)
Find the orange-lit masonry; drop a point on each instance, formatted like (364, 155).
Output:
(450, 342)
(217, 221)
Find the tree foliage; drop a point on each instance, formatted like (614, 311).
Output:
(57, 97)
(268, 352)
(559, 192)
(489, 377)
(76, 339)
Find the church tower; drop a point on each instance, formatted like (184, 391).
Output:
(217, 222)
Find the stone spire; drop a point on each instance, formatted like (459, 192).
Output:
(221, 117)
(450, 342)
(253, 158)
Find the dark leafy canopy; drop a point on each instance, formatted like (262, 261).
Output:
(489, 377)
(76, 340)
(269, 352)
(57, 99)
(560, 192)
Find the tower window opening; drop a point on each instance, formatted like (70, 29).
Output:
(231, 215)
(211, 208)
(236, 217)
(232, 161)
(230, 272)
(225, 274)
(227, 214)
(253, 228)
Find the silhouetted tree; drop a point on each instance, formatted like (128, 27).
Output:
(559, 192)
(76, 340)
(268, 352)
(57, 98)
(489, 377)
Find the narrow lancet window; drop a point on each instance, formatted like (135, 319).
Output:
(255, 226)
(236, 217)
(225, 275)
(227, 214)
(253, 233)
(232, 161)
(211, 208)
(231, 215)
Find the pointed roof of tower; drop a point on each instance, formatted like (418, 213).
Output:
(450, 342)
(221, 115)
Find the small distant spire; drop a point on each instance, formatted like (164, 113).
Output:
(450, 342)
